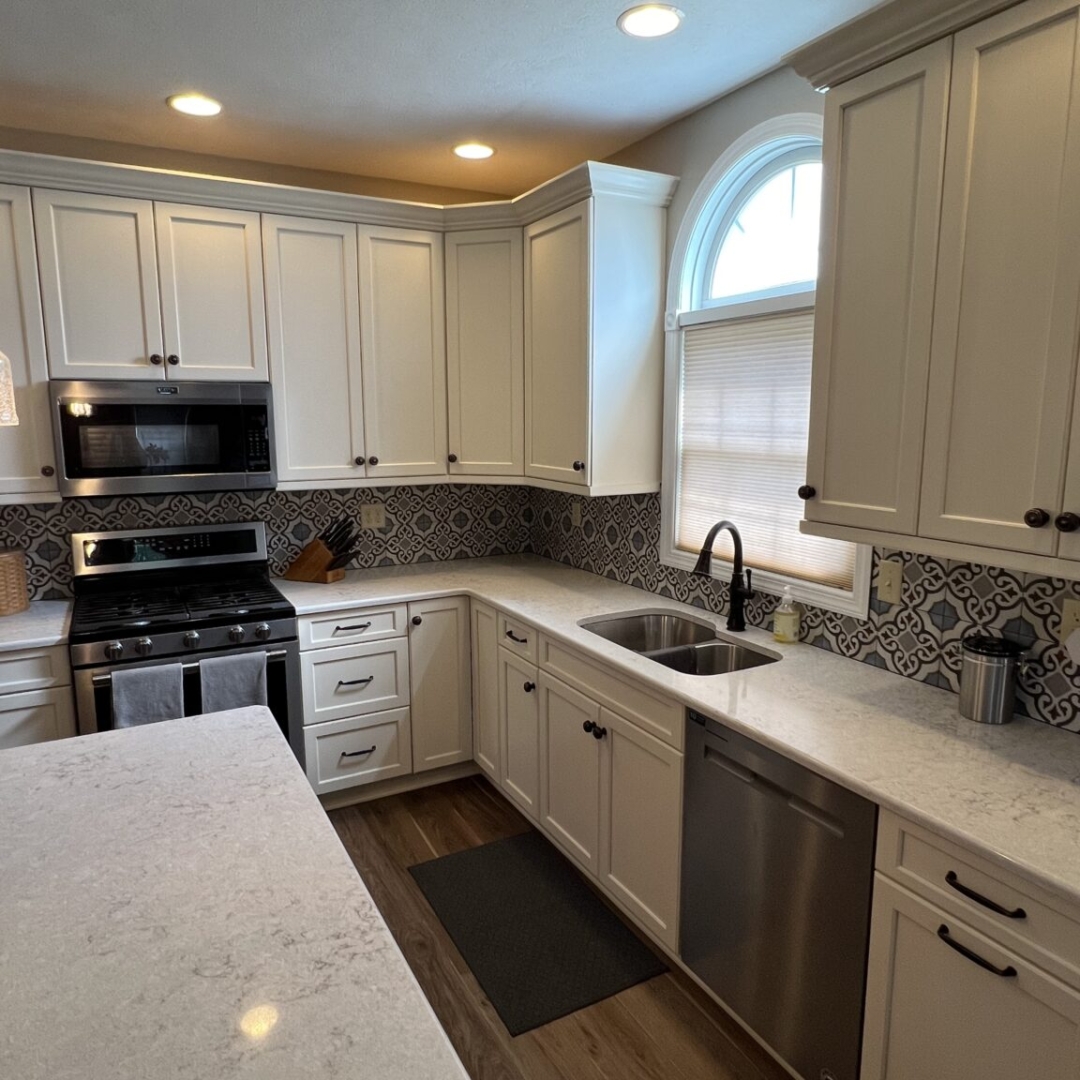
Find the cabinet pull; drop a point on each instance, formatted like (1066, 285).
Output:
(355, 626)
(593, 729)
(172, 359)
(806, 492)
(1036, 518)
(579, 466)
(528, 687)
(47, 470)
(452, 458)
(1005, 973)
(373, 460)
(954, 882)
(416, 620)
(587, 727)
(157, 359)
(1067, 522)
(358, 753)
(360, 461)
(519, 640)
(355, 682)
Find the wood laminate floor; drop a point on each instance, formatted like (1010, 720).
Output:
(663, 1029)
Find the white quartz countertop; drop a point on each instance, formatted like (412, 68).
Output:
(45, 622)
(175, 905)
(1011, 792)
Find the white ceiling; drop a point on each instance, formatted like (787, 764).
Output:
(385, 87)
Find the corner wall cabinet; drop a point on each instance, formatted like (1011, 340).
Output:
(947, 422)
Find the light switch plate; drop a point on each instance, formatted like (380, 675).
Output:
(575, 513)
(372, 516)
(889, 581)
(1070, 619)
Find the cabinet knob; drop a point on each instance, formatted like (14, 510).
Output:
(157, 359)
(598, 732)
(451, 458)
(587, 727)
(359, 461)
(807, 492)
(172, 359)
(373, 460)
(529, 687)
(47, 470)
(416, 620)
(579, 466)
(1036, 518)
(1067, 522)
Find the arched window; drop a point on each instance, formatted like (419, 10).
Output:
(742, 286)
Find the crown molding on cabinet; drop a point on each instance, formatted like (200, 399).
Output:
(136, 181)
(884, 34)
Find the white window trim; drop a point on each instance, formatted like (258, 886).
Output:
(681, 313)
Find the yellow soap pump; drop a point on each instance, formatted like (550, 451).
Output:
(786, 619)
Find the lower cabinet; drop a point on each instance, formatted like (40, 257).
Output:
(341, 754)
(487, 729)
(519, 715)
(36, 704)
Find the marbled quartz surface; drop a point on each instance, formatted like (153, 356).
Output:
(1010, 792)
(175, 905)
(45, 622)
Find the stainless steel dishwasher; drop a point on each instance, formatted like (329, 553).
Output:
(777, 870)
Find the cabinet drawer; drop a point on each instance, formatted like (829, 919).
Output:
(656, 715)
(355, 679)
(356, 624)
(37, 716)
(517, 637)
(358, 750)
(34, 669)
(1048, 931)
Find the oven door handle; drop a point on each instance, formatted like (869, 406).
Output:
(102, 680)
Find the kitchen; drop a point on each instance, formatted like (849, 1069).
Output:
(945, 591)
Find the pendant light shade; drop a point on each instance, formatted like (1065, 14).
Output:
(8, 416)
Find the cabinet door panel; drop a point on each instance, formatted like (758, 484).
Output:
(313, 315)
(485, 352)
(403, 336)
(520, 727)
(99, 285)
(27, 449)
(885, 140)
(212, 302)
(1005, 333)
(557, 343)
(487, 735)
(38, 716)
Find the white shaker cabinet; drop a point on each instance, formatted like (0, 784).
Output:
(519, 713)
(403, 342)
(487, 728)
(485, 352)
(27, 462)
(36, 704)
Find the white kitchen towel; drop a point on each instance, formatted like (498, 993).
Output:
(147, 695)
(231, 682)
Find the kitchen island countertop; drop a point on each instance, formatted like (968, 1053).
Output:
(175, 904)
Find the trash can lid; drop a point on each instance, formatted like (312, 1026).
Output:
(986, 645)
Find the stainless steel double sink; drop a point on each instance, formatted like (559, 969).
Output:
(678, 642)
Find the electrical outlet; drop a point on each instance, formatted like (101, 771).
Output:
(889, 581)
(1070, 619)
(372, 516)
(575, 513)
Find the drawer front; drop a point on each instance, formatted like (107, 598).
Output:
(1048, 931)
(360, 750)
(656, 715)
(355, 679)
(354, 625)
(518, 637)
(37, 716)
(34, 669)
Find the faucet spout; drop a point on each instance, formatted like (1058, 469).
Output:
(740, 591)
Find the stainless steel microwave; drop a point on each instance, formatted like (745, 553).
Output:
(119, 437)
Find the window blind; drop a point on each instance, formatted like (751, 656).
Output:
(745, 408)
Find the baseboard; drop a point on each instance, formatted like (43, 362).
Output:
(398, 784)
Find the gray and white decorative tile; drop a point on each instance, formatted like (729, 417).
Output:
(985, 596)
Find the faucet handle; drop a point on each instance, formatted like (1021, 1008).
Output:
(749, 585)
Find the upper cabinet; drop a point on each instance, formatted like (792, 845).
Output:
(137, 290)
(944, 419)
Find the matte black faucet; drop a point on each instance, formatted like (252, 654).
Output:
(740, 591)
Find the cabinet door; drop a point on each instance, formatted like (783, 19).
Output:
(557, 341)
(99, 286)
(520, 730)
(487, 734)
(1004, 345)
(27, 462)
(932, 1011)
(570, 770)
(440, 693)
(485, 352)
(212, 304)
(403, 337)
(37, 716)
(313, 320)
(884, 146)
(642, 809)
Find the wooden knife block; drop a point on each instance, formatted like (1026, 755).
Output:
(311, 565)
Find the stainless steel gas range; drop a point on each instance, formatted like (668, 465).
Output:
(159, 596)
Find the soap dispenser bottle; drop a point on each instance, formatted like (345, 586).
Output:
(786, 619)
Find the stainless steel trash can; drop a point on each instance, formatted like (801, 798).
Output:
(988, 672)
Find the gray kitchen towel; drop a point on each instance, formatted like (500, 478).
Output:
(147, 695)
(231, 682)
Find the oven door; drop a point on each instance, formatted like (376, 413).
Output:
(93, 688)
(124, 437)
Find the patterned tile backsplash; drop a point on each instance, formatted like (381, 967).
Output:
(618, 538)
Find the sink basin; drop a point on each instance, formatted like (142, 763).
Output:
(711, 658)
(648, 631)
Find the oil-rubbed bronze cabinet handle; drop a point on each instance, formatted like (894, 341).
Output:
(358, 753)
(355, 682)
(373, 460)
(528, 687)
(579, 466)
(1036, 518)
(807, 492)
(47, 470)
(520, 640)
(354, 626)
(172, 359)
(452, 458)
(1067, 522)
(1005, 972)
(955, 883)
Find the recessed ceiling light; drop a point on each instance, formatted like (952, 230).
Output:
(650, 20)
(474, 151)
(195, 104)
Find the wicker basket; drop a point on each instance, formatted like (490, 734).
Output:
(13, 593)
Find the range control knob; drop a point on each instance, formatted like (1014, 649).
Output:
(144, 646)
(114, 650)
(191, 639)
(262, 631)
(236, 633)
